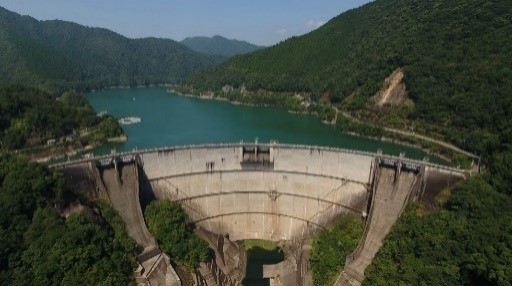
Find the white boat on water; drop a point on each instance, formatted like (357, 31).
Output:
(129, 120)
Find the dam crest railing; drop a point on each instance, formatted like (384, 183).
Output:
(130, 154)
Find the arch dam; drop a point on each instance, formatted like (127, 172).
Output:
(260, 191)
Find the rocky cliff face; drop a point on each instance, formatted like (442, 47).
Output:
(393, 91)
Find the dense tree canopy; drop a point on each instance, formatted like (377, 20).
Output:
(467, 242)
(167, 222)
(38, 247)
(500, 174)
(331, 248)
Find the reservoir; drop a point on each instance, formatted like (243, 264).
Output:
(167, 119)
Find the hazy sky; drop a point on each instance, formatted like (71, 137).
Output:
(263, 22)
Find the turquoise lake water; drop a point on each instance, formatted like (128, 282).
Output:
(171, 120)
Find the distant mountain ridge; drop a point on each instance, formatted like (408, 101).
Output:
(218, 45)
(65, 54)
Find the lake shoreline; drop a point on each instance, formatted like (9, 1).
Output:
(170, 119)
(382, 138)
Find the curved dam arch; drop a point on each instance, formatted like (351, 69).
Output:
(274, 191)
(264, 192)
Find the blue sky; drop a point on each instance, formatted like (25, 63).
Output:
(263, 22)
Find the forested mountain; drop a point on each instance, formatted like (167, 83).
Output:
(65, 54)
(218, 45)
(455, 56)
(29, 117)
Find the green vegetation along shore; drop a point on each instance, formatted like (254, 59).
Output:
(45, 125)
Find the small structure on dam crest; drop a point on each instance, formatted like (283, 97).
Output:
(263, 191)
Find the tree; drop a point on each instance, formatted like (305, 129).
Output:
(167, 221)
(38, 247)
(331, 248)
(467, 242)
(500, 168)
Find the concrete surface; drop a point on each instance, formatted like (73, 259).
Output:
(270, 191)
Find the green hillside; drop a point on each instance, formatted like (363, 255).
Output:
(64, 54)
(455, 56)
(218, 45)
(30, 117)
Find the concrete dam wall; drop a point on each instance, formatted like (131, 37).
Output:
(267, 191)
(122, 187)
(278, 193)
